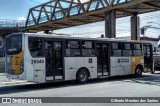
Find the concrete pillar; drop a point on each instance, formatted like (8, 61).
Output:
(135, 27)
(110, 24)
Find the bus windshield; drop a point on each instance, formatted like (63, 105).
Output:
(13, 44)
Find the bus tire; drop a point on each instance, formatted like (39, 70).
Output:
(152, 72)
(82, 76)
(138, 71)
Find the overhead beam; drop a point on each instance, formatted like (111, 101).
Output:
(150, 4)
(42, 11)
(84, 20)
(65, 24)
(98, 16)
(125, 11)
(68, 1)
(87, 16)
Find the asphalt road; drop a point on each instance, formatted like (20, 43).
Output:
(126, 86)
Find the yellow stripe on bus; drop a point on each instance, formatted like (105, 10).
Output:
(16, 62)
(134, 62)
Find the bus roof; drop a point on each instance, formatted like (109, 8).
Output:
(63, 36)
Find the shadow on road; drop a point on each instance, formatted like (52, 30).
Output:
(31, 87)
(152, 79)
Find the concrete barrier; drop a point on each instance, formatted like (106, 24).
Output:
(2, 65)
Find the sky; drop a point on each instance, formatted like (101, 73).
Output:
(122, 27)
(18, 10)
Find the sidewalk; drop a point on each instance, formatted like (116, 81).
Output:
(6, 81)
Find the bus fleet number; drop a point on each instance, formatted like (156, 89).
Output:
(37, 61)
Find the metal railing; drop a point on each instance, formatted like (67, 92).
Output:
(12, 23)
(66, 10)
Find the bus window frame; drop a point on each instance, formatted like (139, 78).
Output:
(17, 51)
(137, 49)
(41, 47)
(123, 48)
(93, 47)
(66, 47)
(111, 54)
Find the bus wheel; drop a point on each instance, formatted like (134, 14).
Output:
(82, 76)
(152, 72)
(138, 72)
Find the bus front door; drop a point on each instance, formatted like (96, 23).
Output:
(54, 62)
(102, 59)
(147, 58)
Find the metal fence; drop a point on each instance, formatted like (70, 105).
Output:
(12, 23)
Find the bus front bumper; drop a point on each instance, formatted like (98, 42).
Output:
(12, 76)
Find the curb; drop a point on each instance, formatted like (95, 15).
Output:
(13, 82)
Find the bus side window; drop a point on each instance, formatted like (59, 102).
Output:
(137, 49)
(88, 48)
(73, 48)
(116, 49)
(35, 47)
(127, 49)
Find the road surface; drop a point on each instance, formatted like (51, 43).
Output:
(126, 86)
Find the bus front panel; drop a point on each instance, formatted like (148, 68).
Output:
(14, 55)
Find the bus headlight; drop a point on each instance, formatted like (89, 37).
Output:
(8, 60)
(142, 61)
(13, 72)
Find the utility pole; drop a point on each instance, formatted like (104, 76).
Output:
(144, 29)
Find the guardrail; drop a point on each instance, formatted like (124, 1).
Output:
(12, 23)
